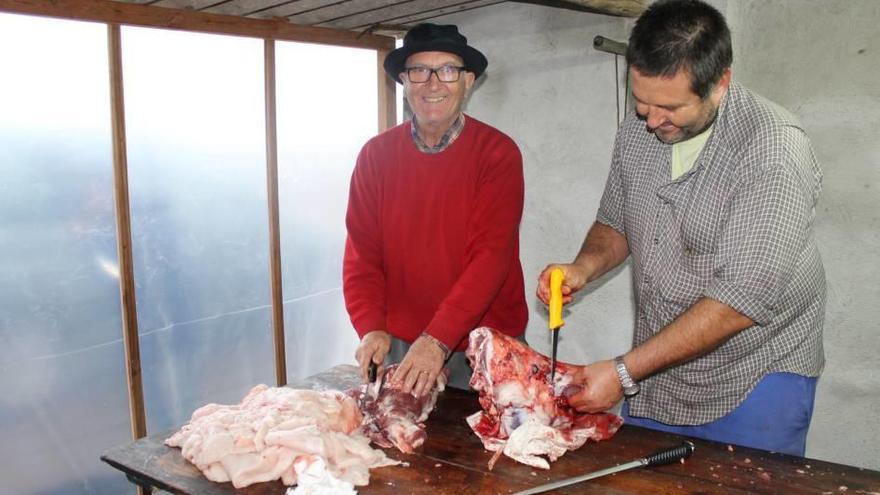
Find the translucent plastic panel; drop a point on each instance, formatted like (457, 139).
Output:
(62, 377)
(327, 110)
(195, 125)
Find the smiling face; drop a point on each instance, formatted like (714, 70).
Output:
(671, 110)
(436, 104)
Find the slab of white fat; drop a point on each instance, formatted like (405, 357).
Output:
(313, 478)
(532, 440)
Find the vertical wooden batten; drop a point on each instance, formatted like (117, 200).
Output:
(275, 279)
(387, 98)
(130, 339)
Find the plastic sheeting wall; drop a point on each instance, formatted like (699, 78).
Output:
(194, 124)
(195, 128)
(327, 102)
(61, 361)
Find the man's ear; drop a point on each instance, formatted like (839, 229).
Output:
(721, 87)
(469, 78)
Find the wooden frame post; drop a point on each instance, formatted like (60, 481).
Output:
(130, 338)
(387, 100)
(275, 279)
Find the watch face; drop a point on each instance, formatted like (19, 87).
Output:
(630, 391)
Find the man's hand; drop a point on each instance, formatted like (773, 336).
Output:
(574, 280)
(419, 369)
(603, 249)
(601, 388)
(374, 347)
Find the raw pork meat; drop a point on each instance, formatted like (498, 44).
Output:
(523, 415)
(276, 433)
(396, 418)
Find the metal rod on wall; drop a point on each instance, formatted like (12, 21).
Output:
(618, 49)
(604, 44)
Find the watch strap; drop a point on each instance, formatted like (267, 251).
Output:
(630, 387)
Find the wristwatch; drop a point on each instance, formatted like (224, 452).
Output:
(630, 387)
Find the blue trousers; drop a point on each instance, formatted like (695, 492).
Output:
(775, 416)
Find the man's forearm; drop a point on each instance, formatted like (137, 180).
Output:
(697, 331)
(603, 249)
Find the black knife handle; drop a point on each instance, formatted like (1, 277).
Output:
(670, 455)
(371, 372)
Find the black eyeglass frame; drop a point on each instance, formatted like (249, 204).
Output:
(431, 72)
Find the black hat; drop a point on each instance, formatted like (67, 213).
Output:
(434, 38)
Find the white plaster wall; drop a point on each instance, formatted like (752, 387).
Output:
(555, 95)
(821, 60)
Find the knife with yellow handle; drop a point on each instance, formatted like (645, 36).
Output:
(555, 322)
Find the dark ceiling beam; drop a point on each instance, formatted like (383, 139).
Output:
(161, 17)
(619, 8)
(411, 14)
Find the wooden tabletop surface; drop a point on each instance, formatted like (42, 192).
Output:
(453, 461)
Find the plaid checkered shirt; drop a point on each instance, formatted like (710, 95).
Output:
(448, 137)
(736, 228)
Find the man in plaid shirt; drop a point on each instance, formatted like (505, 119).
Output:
(712, 192)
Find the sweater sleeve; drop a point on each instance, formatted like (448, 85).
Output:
(492, 235)
(363, 279)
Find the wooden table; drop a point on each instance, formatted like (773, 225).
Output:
(453, 461)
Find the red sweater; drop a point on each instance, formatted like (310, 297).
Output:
(433, 239)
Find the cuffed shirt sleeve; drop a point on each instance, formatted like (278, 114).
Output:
(611, 206)
(767, 229)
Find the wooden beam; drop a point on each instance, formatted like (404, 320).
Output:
(387, 94)
(275, 279)
(619, 8)
(123, 238)
(160, 17)
(401, 13)
(286, 9)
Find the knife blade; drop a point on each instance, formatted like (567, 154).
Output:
(371, 372)
(659, 458)
(555, 322)
(372, 388)
(377, 380)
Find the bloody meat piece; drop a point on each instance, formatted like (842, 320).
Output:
(524, 416)
(396, 418)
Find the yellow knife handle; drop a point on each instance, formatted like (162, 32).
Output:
(556, 278)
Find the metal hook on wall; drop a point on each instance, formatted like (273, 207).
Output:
(617, 48)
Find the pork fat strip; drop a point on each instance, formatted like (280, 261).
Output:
(278, 432)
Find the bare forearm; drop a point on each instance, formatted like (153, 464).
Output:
(699, 330)
(603, 249)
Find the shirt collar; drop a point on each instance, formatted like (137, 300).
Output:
(446, 140)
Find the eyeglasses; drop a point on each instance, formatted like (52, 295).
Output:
(445, 73)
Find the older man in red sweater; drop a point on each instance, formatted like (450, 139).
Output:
(433, 221)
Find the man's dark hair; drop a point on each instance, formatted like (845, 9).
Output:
(672, 35)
